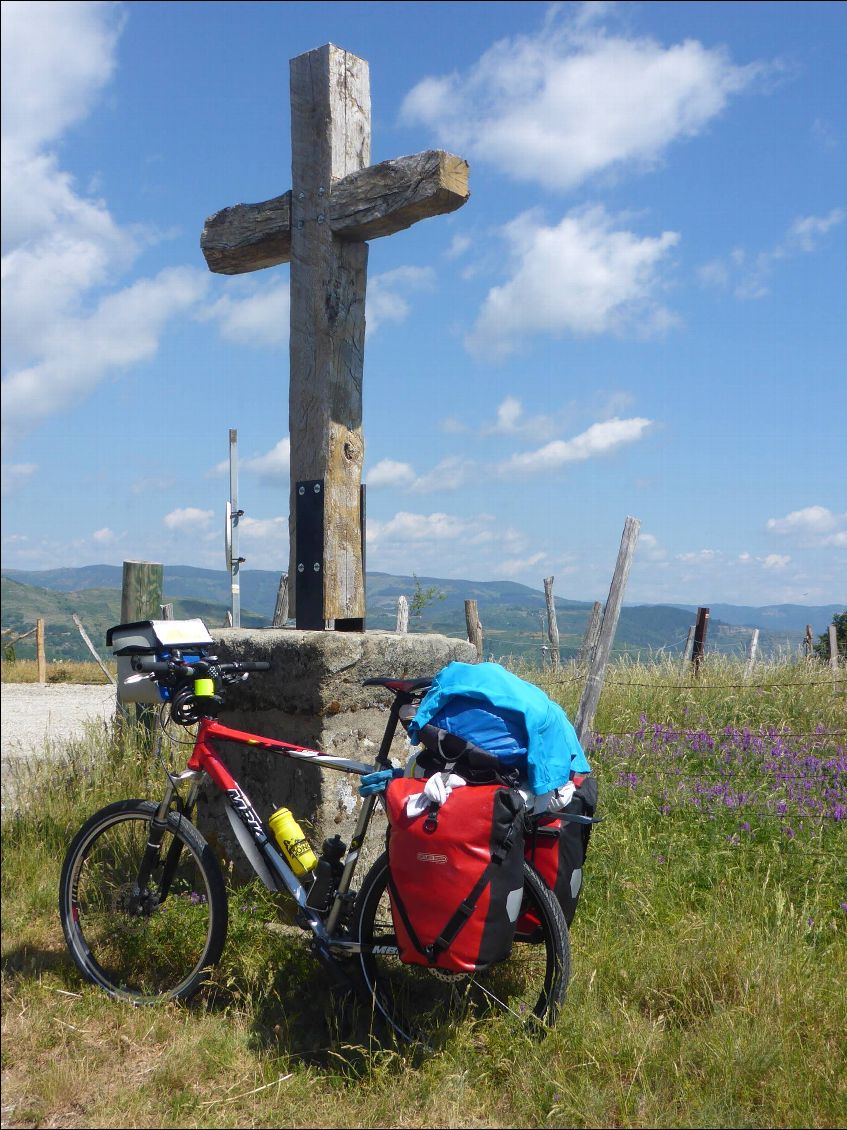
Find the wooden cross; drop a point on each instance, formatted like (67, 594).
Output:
(337, 202)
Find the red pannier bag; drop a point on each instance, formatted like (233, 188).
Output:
(455, 875)
(557, 847)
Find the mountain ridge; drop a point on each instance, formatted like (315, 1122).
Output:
(512, 614)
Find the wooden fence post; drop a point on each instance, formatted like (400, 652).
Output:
(552, 625)
(698, 653)
(833, 648)
(474, 626)
(402, 615)
(808, 642)
(167, 611)
(141, 591)
(141, 599)
(751, 658)
(597, 672)
(592, 634)
(281, 607)
(87, 641)
(686, 651)
(40, 654)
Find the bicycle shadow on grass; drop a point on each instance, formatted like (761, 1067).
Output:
(296, 1012)
(23, 961)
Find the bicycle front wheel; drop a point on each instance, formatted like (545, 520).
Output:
(149, 943)
(417, 1001)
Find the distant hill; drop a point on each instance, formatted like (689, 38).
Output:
(513, 615)
(775, 617)
(97, 608)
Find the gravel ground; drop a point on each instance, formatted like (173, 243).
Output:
(38, 716)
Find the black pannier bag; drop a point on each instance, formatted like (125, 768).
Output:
(557, 848)
(446, 752)
(455, 875)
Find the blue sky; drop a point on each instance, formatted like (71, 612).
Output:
(639, 311)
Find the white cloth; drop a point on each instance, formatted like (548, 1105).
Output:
(437, 789)
(553, 801)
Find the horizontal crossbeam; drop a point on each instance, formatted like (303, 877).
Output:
(372, 202)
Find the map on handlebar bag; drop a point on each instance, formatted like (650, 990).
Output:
(146, 637)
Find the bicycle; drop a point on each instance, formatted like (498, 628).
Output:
(143, 903)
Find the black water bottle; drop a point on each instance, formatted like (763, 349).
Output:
(327, 874)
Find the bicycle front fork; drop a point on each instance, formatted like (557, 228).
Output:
(151, 858)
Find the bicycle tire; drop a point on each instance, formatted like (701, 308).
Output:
(417, 1001)
(142, 949)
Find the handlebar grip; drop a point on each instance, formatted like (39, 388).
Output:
(243, 667)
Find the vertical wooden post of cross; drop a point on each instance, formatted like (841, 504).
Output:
(337, 203)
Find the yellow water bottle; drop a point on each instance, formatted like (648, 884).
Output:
(293, 844)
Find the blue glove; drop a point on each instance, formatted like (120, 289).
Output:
(376, 782)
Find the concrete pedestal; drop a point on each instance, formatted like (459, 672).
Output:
(313, 696)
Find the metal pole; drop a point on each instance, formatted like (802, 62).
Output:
(235, 513)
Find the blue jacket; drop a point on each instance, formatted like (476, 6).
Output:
(553, 749)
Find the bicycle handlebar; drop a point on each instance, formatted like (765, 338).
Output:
(147, 666)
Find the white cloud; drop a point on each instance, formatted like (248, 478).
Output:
(274, 466)
(103, 537)
(256, 530)
(813, 525)
(449, 474)
(698, 557)
(599, 439)
(452, 425)
(189, 518)
(438, 527)
(561, 106)
(14, 474)
(77, 352)
(650, 548)
(264, 542)
(583, 276)
(388, 294)
(806, 231)
(390, 473)
(62, 249)
(515, 566)
(511, 420)
(776, 561)
(57, 57)
(458, 246)
(261, 318)
(749, 274)
(509, 412)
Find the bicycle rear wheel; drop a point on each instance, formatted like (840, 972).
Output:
(416, 1001)
(150, 944)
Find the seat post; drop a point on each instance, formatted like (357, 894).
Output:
(401, 698)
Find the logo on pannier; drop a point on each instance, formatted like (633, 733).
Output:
(428, 857)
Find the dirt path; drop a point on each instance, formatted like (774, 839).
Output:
(38, 716)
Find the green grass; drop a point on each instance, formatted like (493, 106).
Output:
(708, 986)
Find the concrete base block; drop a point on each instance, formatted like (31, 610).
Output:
(313, 696)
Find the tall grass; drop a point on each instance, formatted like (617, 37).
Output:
(709, 957)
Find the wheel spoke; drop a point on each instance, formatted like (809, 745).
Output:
(416, 1000)
(149, 942)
